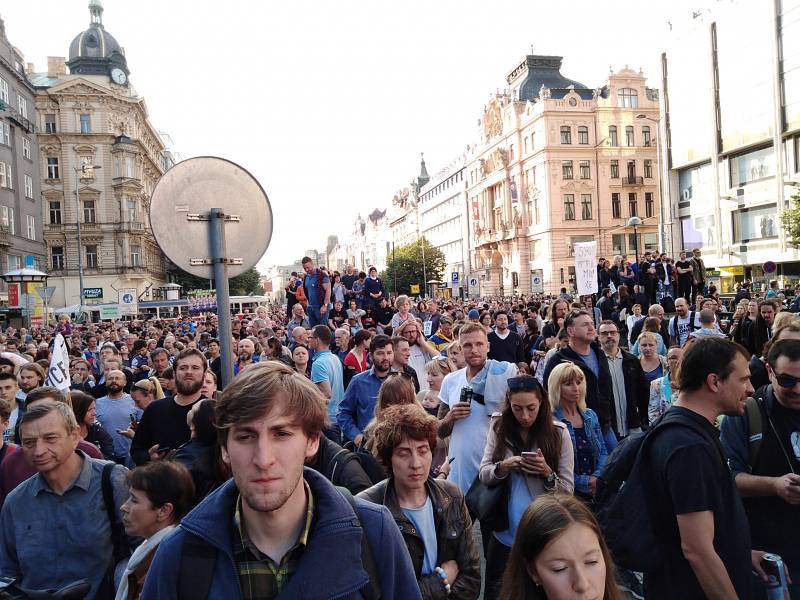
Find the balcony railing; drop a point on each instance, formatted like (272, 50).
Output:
(633, 180)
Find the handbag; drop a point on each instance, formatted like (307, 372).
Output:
(489, 503)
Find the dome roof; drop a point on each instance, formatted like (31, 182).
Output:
(537, 71)
(95, 50)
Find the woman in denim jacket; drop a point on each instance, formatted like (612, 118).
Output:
(567, 392)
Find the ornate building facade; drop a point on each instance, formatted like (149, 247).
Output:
(21, 239)
(101, 159)
(559, 163)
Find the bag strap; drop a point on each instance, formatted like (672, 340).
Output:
(373, 590)
(117, 531)
(755, 429)
(196, 569)
(337, 461)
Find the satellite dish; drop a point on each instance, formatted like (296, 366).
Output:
(179, 210)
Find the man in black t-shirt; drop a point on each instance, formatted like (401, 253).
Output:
(684, 270)
(705, 542)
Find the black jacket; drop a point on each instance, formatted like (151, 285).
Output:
(599, 394)
(637, 393)
(454, 537)
(339, 466)
(639, 325)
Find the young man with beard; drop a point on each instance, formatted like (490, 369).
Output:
(277, 530)
(421, 351)
(504, 343)
(246, 350)
(114, 411)
(30, 376)
(163, 427)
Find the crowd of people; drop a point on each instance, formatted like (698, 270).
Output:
(641, 441)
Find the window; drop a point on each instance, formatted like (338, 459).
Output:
(23, 106)
(631, 169)
(628, 98)
(618, 243)
(91, 257)
(648, 169)
(586, 207)
(129, 167)
(629, 140)
(614, 169)
(31, 227)
(50, 123)
(752, 166)
(28, 186)
(616, 208)
(585, 170)
(648, 204)
(566, 134)
(89, 213)
(55, 212)
(14, 262)
(646, 136)
(525, 145)
(26, 148)
(86, 123)
(136, 253)
(566, 169)
(583, 135)
(57, 257)
(4, 97)
(4, 177)
(757, 223)
(632, 208)
(613, 140)
(7, 219)
(569, 207)
(52, 167)
(577, 239)
(5, 134)
(510, 153)
(132, 211)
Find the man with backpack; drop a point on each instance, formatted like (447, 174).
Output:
(763, 451)
(277, 530)
(63, 524)
(683, 323)
(679, 517)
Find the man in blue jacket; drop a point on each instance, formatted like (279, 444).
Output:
(277, 530)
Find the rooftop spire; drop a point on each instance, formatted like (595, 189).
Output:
(423, 171)
(96, 12)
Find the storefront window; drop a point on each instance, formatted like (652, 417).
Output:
(759, 223)
(698, 232)
(752, 166)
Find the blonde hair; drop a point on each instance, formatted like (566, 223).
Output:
(401, 299)
(566, 372)
(152, 386)
(647, 335)
(782, 318)
(441, 365)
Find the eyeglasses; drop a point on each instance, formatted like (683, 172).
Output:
(524, 383)
(786, 381)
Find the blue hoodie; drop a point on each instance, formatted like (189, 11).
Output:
(331, 563)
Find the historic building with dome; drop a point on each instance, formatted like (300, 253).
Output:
(557, 163)
(101, 159)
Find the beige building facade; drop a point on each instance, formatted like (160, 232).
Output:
(101, 159)
(559, 163)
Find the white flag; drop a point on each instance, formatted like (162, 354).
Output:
(58, 373)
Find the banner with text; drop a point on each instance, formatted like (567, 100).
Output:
(586, 267)
(58, 373)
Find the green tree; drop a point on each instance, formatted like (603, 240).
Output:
(241, 285)
(791, 220)
(405, 267)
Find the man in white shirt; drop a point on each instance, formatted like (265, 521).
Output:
(683, 323)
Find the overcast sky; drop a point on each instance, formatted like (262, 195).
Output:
(329, 104)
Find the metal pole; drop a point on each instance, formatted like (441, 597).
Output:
(217, 239)
(661, 225)
(80, 248)
(636, 255)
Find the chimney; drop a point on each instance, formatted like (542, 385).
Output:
(56, 65)
(30, 69)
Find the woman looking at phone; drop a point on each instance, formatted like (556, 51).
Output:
(531, 454)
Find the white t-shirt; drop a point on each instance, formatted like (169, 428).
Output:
(468, 440)
(417, 362)
(684, 327)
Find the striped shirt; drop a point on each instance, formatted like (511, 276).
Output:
(262, 578)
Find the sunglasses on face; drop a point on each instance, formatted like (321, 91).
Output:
(524, 383)
(786, 381)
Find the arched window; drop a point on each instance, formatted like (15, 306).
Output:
(628, 98)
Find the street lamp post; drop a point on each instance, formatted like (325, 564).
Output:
(86, 171)
(662, 220)
(635, 222)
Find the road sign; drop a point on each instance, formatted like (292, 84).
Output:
(95, 292)
(109, 312)
(474, 285)
(770, 267)
(537, 282)
(46, 293)
(454, 277)
(414, 288)
(128, 301)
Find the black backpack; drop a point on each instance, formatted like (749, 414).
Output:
(673, 323)
(625, 504)
(198, 559)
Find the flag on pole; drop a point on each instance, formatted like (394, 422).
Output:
(58, 373)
